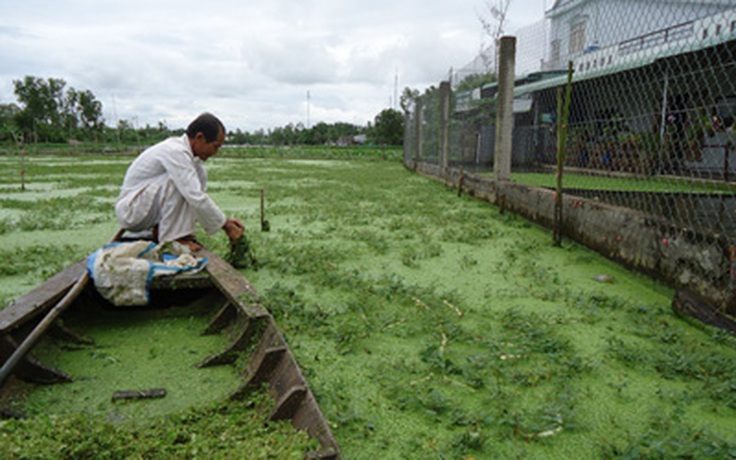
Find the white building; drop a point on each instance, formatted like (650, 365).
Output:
(578, 27)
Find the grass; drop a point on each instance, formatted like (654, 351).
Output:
(250, 151)
(431, 326)
(318, 152)
(624, 184)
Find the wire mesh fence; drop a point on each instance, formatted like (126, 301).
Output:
(652, 117)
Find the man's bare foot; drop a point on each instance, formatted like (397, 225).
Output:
(191, 242)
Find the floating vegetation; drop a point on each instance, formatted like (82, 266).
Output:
(212, 432)
(431, 326)
(241, 254)
(54, 213)
(38, 261)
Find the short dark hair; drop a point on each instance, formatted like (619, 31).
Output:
(207, 124)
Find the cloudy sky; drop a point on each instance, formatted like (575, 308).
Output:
(251, 63)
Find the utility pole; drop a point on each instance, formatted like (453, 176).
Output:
(115, 116)
(307, 109)
(396, 88)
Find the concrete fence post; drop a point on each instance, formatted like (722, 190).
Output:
(407, 147)
(418, 128)
(445, 94)
(504, 109)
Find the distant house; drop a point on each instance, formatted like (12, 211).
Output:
(358, 139)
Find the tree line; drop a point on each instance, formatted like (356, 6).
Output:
(50, 111)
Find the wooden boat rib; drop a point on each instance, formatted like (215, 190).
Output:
(236, 301)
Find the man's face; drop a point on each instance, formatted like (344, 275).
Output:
(203, 149)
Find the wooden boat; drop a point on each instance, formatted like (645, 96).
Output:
(252, 329)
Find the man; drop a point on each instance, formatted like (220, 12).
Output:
(164, 189)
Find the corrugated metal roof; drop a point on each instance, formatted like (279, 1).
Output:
(586, 75)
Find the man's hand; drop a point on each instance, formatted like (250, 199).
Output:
(234, 229)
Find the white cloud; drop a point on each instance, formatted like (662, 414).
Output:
(250, 64)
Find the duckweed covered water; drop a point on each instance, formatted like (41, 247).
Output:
(135, 349)
(432, 326)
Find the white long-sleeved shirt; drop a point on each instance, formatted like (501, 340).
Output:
(174, 158)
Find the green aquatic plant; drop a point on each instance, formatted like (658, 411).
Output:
(54, 213)
(241, 254)
(40, 260)
(432, 326)
(219, 431)
(667, 436)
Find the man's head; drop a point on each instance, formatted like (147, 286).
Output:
(206, 135)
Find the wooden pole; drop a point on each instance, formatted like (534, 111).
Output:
(265, 225)
(23, 168)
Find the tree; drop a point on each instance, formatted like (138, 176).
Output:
(476, 80)
(493, 25)
(388, 128)
(50, 112)
(8, 128)
(408, 99)
(90, 111)
(40, 117)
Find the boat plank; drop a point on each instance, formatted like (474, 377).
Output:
(42, 298)
(139, 394)
(234, 285)
(181, 281)
(272, 361)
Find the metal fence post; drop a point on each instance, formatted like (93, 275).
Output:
(504, 110)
